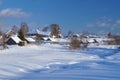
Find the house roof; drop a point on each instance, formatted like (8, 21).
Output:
(15, 38)
(30, 39)
(42, 32)
(10, 32)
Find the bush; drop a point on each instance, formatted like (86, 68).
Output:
(77, 44)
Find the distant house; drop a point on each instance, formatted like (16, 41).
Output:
(42, 33)
(10, 33)
(30, 40)
(13, 40)
(46, 39)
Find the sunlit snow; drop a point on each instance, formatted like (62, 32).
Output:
(56, 62)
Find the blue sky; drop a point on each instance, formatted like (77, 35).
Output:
(96, 16)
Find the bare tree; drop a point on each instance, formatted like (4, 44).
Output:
(3, 41)
(75, 43)
(1, 32)
(55, 30)
(15, 29)
(24, 28)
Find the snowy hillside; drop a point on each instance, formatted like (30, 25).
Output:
(55, 62)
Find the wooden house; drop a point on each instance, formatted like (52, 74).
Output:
(13, 40)
(10, 33)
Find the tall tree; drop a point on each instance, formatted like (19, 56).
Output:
(1, 32)
(3, 40)
(55, 30)
(24, 28)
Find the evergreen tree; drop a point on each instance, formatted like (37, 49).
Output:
(21, 35)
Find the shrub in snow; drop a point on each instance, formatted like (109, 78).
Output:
(77, 44)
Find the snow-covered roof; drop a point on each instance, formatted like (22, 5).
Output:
(45, 38)
(54, 39)
(8, 31)
(16, 39)
(42, 32)
(30, 39)
(90, 40)
(45, 33)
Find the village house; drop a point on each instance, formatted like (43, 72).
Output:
(13, 40)
(10, 33)
(30, 40)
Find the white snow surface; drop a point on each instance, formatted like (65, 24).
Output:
(55, 62)
(30, 39)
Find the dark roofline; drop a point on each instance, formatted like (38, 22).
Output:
(35, 34)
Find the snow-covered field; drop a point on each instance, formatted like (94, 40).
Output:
(56, 62)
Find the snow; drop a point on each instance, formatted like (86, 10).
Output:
(105, 46)
(30, 39)
(56, 62)
(60, 40)
(42, 32)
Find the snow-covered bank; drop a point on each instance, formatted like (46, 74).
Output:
(105, 46)
(55, 62)
(17, 59)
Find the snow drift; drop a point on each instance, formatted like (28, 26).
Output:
(28, 62)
